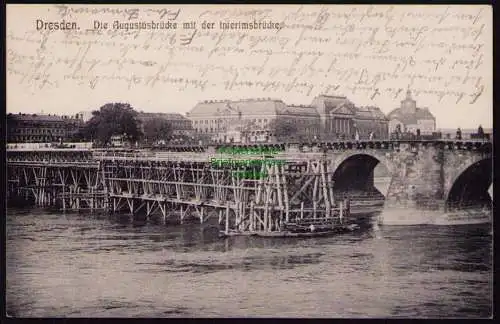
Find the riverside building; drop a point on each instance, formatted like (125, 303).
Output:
(255, 120)
(40, 128)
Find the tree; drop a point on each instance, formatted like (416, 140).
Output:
(157, 130)
(283, 128)
(110, 120)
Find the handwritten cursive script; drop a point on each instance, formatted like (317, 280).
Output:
(366, 51)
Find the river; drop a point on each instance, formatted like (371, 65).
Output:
(80, 265)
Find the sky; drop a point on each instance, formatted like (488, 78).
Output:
(370, 54)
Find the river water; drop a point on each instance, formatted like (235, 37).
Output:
(80, 265)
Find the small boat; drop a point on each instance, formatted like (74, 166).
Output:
(223, 234)
(321, 233)
(288, 233)
(297, 234)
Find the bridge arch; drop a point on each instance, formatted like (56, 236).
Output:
(354, 171)
(469, 184)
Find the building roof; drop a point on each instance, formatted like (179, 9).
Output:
(326, 104)
(38, 118)
(411, 119)
(370, 112)
(246, 107)
(168, 116)
(210, 108)
(301, 110)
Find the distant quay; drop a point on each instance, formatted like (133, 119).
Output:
(55, 25)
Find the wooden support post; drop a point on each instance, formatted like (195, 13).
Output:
(326, 196)
(78, 198)
(237, 210)
(227, 220)
(278, 185)
(341, 212)
(252, 216)
(163, 209)
(285, 193)
(92, 197)
(267, 203)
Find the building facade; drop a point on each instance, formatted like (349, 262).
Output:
(371, 120)
(336, 116)
(305, 119)
(251, 120)
(340, 118)
(254, 120)
(410, 118)
(34, 128)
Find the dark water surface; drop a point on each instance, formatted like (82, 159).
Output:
(70, 265)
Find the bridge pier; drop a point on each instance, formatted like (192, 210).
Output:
(430, 180)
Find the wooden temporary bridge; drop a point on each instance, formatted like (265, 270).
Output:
(181, 185)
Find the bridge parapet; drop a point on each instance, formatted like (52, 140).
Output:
(56, 163)
(291, 146)
(382, 150)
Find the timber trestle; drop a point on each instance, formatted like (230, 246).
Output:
(246, 197)
(68, 180)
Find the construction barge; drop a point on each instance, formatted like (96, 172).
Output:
(306, 227)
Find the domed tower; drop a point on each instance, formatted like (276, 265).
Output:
(408, 106)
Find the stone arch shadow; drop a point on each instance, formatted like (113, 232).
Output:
(469, 184)
(354, 171)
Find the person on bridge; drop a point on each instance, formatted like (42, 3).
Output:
(480, 132)
(459, 134)
(371, 136)
(397, 131)
(312, 228)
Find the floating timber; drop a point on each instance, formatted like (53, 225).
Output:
(340, 229)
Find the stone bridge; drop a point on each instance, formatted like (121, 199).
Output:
(422, 175)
